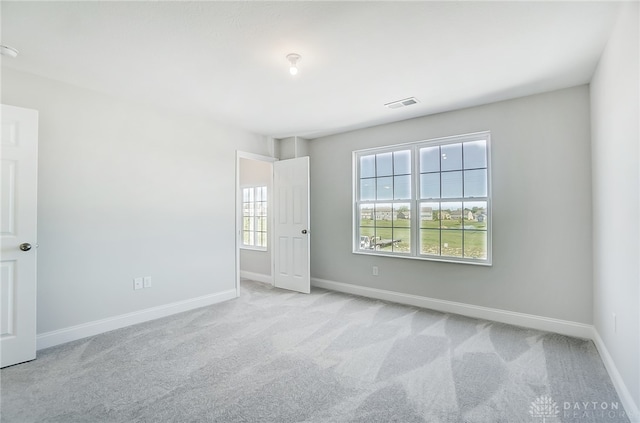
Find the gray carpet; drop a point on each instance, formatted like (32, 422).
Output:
(276, 356)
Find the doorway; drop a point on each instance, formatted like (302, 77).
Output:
(254, 240)
(272, 221)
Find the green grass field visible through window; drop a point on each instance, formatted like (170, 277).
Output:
(446, 238)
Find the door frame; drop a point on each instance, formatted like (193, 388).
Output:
(238, 208)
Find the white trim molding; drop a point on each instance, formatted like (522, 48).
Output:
(626, 398)
(258, 277)
(563, 327)
(61, 336)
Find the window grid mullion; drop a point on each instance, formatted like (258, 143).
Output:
(463, 192)
(415, 215)
(393, 197)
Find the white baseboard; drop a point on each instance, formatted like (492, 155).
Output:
(258, 277)
(564, 327)
(60, 336)
(628, 402)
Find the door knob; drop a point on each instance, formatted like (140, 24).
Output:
(304, 231)
(25, 247)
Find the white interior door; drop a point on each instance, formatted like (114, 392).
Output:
(18, 169)
(291, 231)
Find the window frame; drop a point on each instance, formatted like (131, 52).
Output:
(255, 216)
(415, 200)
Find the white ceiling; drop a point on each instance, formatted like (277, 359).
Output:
(226, 60)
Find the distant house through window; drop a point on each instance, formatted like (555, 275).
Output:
(254, 217)
(428, 200)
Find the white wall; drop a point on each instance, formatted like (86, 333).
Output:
(616, 195)
(256, 173)
(127, 190)
(541, 209)
(292, 147)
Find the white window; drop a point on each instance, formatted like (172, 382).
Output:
(254, 217)
(429, 200)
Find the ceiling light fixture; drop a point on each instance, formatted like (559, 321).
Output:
(293, 59)
(8, 51)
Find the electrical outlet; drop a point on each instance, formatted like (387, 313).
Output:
(137, 283)
(375, 271)
(147, 282)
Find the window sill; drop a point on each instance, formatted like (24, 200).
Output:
(252, 248)
(424, 258)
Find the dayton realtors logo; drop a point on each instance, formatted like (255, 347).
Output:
(592, 409)
(544, 408)
(547, 410)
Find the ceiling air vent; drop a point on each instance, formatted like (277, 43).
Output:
(402, 103)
